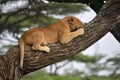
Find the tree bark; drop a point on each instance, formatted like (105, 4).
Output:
(107, 18)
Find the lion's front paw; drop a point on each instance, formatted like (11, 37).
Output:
(81, 31)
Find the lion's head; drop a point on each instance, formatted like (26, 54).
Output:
(74, 23)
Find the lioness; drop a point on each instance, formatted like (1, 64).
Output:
(63, 31)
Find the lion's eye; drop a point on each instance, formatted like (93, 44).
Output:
(71, 20)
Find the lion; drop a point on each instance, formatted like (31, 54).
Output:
(62, 31)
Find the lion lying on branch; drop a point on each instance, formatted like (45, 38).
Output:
(63, 31)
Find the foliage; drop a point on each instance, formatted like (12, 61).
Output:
(65, 8)
(74, 72)
(115, 60)
(51, 78)
(41, 75)
(86, 58)
(40, 20)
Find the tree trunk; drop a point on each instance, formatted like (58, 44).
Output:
(107, 18)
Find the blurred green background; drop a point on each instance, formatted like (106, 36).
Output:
(17, 16)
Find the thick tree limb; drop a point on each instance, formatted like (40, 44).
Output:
(108, 17)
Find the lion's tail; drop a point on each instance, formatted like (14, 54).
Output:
(21, 45)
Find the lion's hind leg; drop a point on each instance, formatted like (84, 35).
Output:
(37, 41)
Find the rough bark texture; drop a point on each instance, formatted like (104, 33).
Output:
(107, 18)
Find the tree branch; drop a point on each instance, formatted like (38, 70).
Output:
(108, 17)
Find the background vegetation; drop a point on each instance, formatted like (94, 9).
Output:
(17, 16)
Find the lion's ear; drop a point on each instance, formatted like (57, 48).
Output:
(70, 20)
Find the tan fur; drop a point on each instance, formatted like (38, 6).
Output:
(63, 31)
